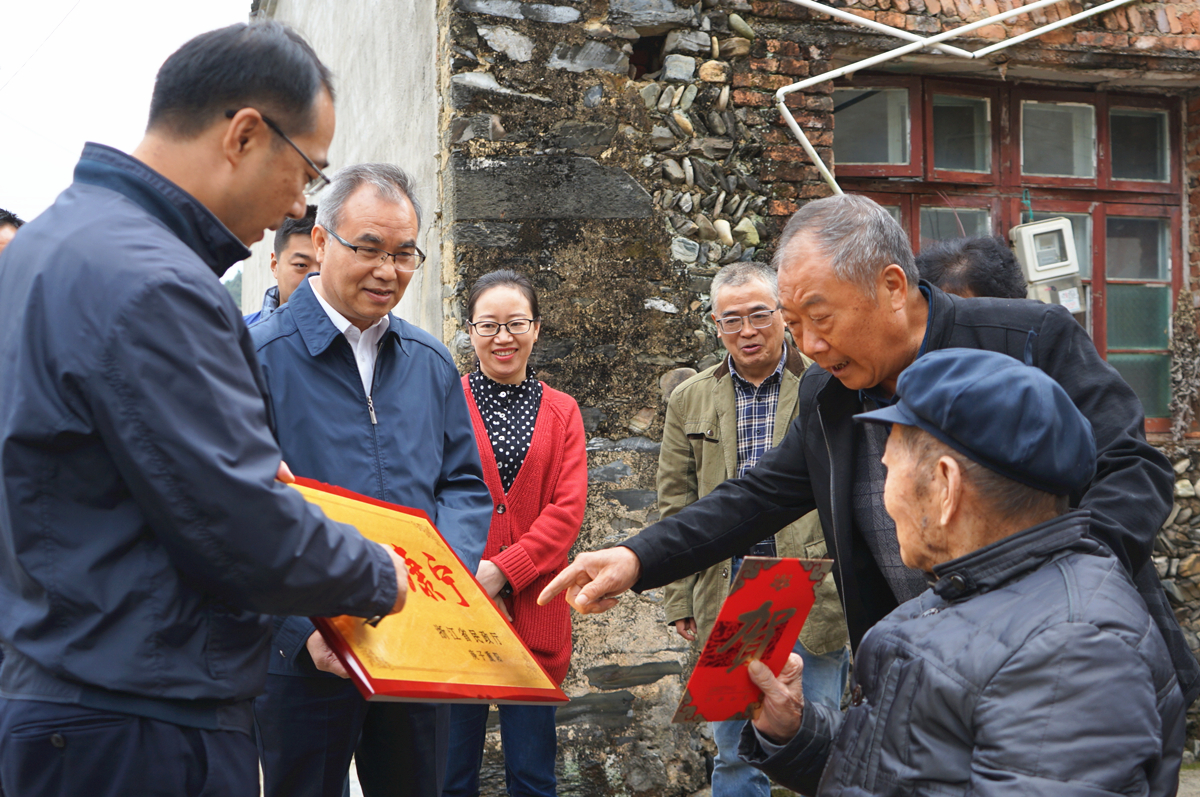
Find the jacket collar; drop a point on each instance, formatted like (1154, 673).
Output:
(793, 362)
(190, 221)
(270, 300)
(317, 331)
(994, 565)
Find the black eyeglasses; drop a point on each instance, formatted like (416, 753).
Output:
(490, 329)
(374, 256)
(314, 185)
(731, 325)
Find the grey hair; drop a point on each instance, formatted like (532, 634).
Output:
(737, 274)
(855, 234)
(391, 182)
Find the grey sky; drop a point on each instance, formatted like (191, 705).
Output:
(88, 80)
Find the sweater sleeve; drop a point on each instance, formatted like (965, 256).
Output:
(544, 547)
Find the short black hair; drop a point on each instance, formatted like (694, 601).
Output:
(264, 65)
(505, 278)
(301, 226)
(8, 218)
(983, 266)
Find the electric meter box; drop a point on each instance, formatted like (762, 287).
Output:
(1045, 249)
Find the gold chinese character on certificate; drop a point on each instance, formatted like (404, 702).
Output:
(450, 643)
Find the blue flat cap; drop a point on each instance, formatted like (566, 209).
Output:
(1009, 417)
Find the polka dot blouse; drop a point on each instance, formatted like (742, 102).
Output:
(509, 413)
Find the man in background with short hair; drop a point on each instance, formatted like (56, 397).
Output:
(9, 224)
(144, 538)
(719, 423)
(292, 260)
(971, 267)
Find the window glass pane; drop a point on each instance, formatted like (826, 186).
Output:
(1138, 249)
(1139, 145)
(1058, 139)
(939, 224)
(1150, 377)
(894, 210)
(962, 133)
(870, 126)
(1081, 226)
(1139, 316)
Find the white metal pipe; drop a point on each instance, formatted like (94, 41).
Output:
(905, 49)
(878, 26)
(826, 175)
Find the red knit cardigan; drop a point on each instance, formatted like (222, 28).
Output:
(535, 524)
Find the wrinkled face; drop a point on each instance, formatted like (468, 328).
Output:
(910, 501)
(836, 323)
(7, 231)
(365, 293)
(752, 350)
(295, 262)
(503, 357)
(275, 186)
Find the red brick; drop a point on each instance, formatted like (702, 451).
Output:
(753, 99)
(901, 5)
(1051, 13)
(783, 191)
(1038, 15)
(884, 5)
(963, 9)
(933, 6)
(991, 32)
(1135, 20)
(758, 80)
(1173, 20)
(814, 191)
(1109, 20)
(1194, 18)
(789, 172)
(788, 154)
(917, 6)
(781, 208)
(764, 64)
(893, 18)
(1160, 16)
(1145, 42)
(794, 66)
(777, 47)
(923, 23)
(1191, 43)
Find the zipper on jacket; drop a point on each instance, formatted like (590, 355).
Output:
(374, 376)
(371, 409)
(837, 552)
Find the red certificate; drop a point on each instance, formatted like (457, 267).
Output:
(760, 620)
(450, 644)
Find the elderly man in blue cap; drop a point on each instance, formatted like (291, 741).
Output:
(1032, 666)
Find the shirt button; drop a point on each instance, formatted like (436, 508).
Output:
(58, 741)
(500, 510)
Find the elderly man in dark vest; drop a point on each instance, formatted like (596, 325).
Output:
(851, 296)
(999, 679)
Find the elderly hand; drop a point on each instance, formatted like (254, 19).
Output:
(594, 580)
(323, 656)
(778, 715)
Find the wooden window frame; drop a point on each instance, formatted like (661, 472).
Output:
(916, 134)
(1099, 107)
(1174, 146)
(993, 95)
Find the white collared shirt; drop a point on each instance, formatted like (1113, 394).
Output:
(364, 344)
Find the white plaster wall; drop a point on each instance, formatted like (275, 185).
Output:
(383, 56)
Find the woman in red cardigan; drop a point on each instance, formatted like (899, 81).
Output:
(531, 443)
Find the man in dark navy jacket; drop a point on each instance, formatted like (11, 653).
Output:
(364, 400)
(851, 296)
(144, 539)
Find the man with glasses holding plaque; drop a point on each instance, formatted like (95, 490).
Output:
(719, 423)
(368, 402)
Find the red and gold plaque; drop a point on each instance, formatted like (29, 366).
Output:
(450, 644)
(760, 620)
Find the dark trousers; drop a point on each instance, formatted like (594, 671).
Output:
(49, 749)
(309, 728)
(529, 742)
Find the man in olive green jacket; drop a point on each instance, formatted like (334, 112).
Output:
(718, 423)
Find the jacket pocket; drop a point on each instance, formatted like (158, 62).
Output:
(231, 633)
(702, 430)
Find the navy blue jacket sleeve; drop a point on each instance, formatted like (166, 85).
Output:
(464, 505)
(186, 424)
